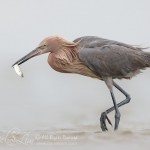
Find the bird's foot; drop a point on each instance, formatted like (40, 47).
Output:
(103, 119)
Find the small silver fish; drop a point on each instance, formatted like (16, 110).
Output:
(18, 70)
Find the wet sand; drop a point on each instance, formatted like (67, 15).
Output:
(85, 137)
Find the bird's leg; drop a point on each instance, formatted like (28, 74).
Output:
(127, 100)
(109, 83)
(117, 113)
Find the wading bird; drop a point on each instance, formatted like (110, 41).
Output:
(97, 58)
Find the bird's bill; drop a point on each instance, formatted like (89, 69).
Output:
(33, 53)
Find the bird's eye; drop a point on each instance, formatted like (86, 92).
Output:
(42, 47)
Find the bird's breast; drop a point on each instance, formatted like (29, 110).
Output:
(64, 66)
(57, 63)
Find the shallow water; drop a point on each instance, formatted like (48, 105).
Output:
(86, 137)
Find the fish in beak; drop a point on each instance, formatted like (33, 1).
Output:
(33, 53)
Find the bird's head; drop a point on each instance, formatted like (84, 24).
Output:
(50, 44)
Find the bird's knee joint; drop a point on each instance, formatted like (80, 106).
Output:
(128, 98)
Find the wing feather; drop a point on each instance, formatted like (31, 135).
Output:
(112, 60)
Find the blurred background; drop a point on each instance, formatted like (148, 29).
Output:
(46, 99)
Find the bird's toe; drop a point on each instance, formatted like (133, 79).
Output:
(103, 119)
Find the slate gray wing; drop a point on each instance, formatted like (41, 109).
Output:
(113, 60)
(93, 41)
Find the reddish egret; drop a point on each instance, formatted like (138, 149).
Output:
(95, 57)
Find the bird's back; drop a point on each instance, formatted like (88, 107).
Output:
(112, 58)
(94, 41)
